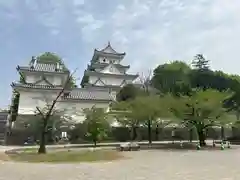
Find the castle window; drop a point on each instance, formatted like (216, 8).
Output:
(111, 69)
(65, 94)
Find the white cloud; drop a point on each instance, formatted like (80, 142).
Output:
(55, 32)
(87, 18)
(78, 2)
(158, 31)
(8, 3)
(150, 31)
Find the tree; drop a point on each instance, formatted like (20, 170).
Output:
(14, 106)
(96, 123)
(49, 57)
(154, 109)
(47, 111)
(172, 78)
(179, 79)
(200, 62)
(141, 111)
(128, 92)
(35, 124)
(159, 125)
(232, 103)
(201, 110)
(127, 114)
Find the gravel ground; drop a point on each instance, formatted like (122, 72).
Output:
(141, 165)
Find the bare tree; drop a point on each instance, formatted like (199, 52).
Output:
(145, 80)
(48, 111)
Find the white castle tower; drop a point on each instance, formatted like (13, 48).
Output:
(106, 71)
(101, 81)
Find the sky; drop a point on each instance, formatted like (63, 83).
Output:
(151, 32)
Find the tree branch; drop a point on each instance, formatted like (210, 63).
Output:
(60, 93)
(40, 112)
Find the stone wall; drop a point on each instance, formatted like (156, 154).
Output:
(3, 122)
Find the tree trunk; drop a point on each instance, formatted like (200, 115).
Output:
(222, 133)
(238, 115)
(134, 133)
(202, 137)
(42, 148)
(156, 133)
(191, 134)
(149, 132)
(95, 142)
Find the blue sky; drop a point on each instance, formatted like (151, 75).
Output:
(149, 31)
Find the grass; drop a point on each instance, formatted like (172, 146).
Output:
(30, 155)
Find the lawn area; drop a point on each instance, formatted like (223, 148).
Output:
(66, 156)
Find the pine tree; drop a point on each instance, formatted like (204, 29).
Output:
(200, 62)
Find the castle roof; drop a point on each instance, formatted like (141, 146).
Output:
(35, 86)
(73, 94)
(88, 94)
(103, 65)
(100, 74)
(108, 51)
(89, 86)
(43, 67)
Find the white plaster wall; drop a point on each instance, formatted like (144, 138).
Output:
(108, 60)
(107, 80)
(75, 109)
(112, 81)
(128, 81)
(72, 109)
(92, 79)
(31, 78)
(30, 100)
(57, 80)
(122, 71)
(53, 79)
(111, 69)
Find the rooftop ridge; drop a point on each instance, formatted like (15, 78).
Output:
(87, 89)
(44, 67)
(109, 50)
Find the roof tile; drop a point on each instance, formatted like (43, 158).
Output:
(35, 86)
(88, 94)
(43, 67)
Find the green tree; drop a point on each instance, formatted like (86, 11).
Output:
(96, 124)
(14, 106)
(172, 77)
(232, 103)
(49, 58)
(127, 115)
(200, 62)
(201, 110)
(128, 92)
(143, 111)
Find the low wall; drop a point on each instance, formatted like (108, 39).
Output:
(115, 134)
